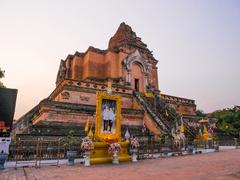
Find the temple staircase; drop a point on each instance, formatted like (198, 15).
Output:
(164, 116)
(148, 109)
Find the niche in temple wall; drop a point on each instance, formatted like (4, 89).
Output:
(136, 71)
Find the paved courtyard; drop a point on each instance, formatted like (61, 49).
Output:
(223, 165)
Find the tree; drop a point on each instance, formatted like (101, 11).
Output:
(200, 113)
(1, 73)
(228, 121)
(1, 76)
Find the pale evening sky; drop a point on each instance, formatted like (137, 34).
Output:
(197, 44)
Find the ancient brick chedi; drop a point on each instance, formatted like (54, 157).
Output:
(129, 68)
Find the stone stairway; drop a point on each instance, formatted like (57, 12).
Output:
(170, 115)
(148, 109)
(162, 114)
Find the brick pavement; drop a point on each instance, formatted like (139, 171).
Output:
(223, 165)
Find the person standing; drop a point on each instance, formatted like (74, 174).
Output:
(111, 119)
(105, 116)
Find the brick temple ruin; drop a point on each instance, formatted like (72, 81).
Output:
(129, 68)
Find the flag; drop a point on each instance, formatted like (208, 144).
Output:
(87, 125)
(205, 133)
(166, 113)
(182, 127)
(90, 134)
(205, 130)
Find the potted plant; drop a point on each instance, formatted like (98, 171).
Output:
(216, 143)
(114, 149)
(167, 144)
(216, 146)
(190, 148)
(71, 153)
(86, 147)
(134, 144)
(236, 143)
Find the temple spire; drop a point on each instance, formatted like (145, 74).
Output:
(126, 37)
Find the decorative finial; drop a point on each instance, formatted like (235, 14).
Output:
(109, 86)
(127, 135)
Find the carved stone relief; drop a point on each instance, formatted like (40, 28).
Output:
(65, 95)
(84, 98)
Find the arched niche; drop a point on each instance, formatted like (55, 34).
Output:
(136, 71)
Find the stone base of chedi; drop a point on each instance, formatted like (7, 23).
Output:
(128, 67)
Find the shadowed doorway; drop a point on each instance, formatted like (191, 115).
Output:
(136, 84)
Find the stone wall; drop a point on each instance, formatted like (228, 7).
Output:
(182, 106)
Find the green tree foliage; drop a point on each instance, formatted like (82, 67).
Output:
(1, 76)
(228, 121)
(71, 140)
(200, 113)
